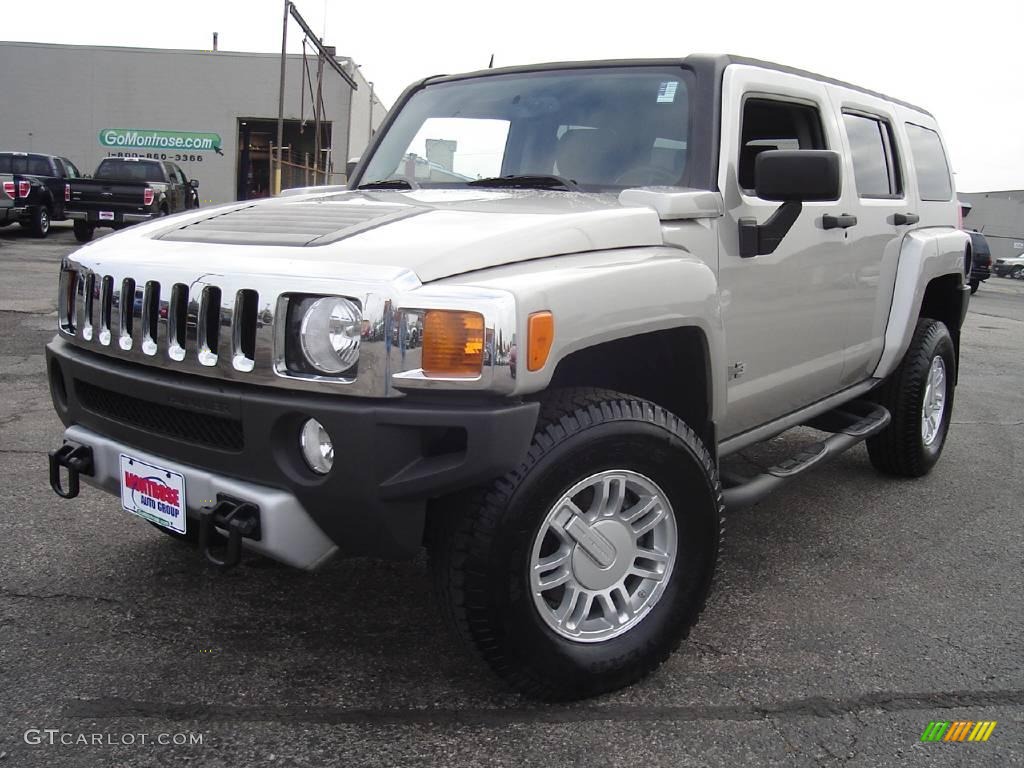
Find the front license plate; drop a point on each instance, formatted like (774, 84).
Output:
(106, 215)
(154, 493)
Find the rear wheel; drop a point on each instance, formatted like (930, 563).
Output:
(974, 286)
(83, 231)
(919, 395)
(40, 222)
(1016, 273)
(582, 570)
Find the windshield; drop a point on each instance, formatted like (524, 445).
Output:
(129, 170)
(602, 128)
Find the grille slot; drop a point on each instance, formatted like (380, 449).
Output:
(106, 300)
(202, 429)
(243, 332)
(126, 305)
(150, 317)
(87, 314)
(177, 316)
(66, 300)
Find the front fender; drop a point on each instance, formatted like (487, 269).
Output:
(607, 295)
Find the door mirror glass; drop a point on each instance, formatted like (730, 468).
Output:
(194, 183)
(801, 175)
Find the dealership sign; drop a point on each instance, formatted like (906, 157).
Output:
(135, 138)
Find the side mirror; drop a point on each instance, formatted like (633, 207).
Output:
(797, 175)
(351, 166)
(791, 177)
(194, 183)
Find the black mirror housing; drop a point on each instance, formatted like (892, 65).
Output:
(797, 175)
(194, 183)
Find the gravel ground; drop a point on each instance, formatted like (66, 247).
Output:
(850, 611)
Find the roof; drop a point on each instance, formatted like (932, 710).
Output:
(716, 62)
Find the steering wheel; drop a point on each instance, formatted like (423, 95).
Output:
(647, 175)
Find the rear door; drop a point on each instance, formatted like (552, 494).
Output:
(876, 193)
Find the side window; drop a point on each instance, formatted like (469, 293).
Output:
(769, 124)
(72, 170)
(875, 165)
(39, 166)
(930, 164)
(60, 167)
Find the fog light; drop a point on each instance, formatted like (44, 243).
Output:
(317, 448)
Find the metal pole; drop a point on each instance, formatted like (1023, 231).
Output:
(369, 135)
(276, 181)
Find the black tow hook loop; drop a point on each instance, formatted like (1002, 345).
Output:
(77, 460)
(241, 519)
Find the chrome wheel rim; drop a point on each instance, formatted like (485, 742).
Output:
(603, 556)
(934, 405)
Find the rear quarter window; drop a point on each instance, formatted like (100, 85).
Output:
(930, 164)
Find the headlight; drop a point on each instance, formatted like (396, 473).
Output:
(329, 334)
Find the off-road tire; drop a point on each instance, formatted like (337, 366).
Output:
(39, 224)
(480, 541)
(900, 449)
(84, 231)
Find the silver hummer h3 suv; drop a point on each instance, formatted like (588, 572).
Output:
(550, 300)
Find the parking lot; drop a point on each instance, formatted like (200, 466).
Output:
(850, 610)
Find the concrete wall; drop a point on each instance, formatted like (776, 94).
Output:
(65, 95)
(999, 216)
(360, 135)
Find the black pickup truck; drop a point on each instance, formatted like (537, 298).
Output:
(35, 189)
(127, 190)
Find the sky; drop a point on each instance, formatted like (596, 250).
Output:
(961, 61)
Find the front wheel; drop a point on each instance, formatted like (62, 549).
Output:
(83, 231)
(40, 222)
(919, 395)
(582, 570)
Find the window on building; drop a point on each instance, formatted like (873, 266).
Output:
(770, 124)
(930, 165)
(875, 165)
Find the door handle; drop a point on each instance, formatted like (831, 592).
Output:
(899, 219)
(842, 222)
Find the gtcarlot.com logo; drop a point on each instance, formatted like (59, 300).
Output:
(57, 737)
(958, 730)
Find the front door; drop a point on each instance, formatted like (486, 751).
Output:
(783, 312)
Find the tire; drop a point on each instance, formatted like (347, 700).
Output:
(39, 224)
(1016, 273)
(83, 231)
(901, 448)
(974, 286)
(482, 544)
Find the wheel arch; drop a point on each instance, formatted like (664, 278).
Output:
(931, 281)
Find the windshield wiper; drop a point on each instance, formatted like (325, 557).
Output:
(525, 182)
(387, 184)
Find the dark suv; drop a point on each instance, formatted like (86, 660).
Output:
(39, 186)
(981, 260)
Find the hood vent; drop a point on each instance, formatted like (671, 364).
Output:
(299, 224)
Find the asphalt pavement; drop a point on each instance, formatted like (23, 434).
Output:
(850, 611)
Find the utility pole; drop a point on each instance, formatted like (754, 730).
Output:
(275, 188)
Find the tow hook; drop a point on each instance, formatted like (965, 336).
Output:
(76, 459)
(241, 519)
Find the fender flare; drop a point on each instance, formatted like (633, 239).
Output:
(925, 255)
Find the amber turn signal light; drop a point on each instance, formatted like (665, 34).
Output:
(453, 343)
(540, 332)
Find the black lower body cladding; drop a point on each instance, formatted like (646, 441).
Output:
(391, 456)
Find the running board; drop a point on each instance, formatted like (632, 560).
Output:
(850, 424)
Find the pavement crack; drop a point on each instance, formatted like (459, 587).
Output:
(814, 706)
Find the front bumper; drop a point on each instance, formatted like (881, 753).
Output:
(391, 456)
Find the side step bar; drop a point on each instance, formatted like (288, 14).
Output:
(850, 424)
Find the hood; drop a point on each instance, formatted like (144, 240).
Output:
(435, 233)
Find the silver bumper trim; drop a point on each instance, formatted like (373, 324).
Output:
(289, 534)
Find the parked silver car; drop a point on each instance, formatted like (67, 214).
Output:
(1010, 266)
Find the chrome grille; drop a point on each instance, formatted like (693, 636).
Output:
(213, 326)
